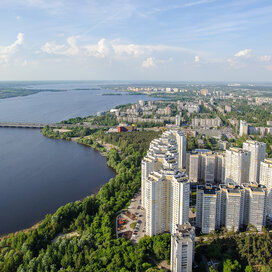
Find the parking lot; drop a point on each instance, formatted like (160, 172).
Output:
(130, 223)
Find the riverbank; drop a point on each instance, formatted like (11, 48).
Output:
(92, 219)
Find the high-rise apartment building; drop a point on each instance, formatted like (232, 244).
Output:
(237, 165)
(257, 154)
(232, 204)
(243, 128)
(148, 166)
(181, 142)
(255, 201)
(208, 208)
(205, 165)
(182, 248)
(266, 179)
(165, 189)
(167, 201)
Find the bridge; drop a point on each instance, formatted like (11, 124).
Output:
(42, 125)
(28, 125)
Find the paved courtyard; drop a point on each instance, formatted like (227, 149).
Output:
(134, 214)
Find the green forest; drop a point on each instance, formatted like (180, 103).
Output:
(93, 245)
(95, 248)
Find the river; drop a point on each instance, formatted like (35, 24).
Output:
(38, 174)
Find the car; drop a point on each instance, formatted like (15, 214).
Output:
(139, 221)
(140, 215)
(136, 213)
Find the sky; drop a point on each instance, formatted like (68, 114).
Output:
(170, 40)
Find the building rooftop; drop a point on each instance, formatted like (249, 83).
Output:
(208, 188)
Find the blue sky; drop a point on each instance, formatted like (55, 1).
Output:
(218, 40)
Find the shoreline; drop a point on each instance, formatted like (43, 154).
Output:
(95, 191)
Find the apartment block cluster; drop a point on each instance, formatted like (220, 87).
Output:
(150, 111)
(206, 122)
(246, 129)
(166, 196)
(237, 191)
(150, 90)
(244, 196)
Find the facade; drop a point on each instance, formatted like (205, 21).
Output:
(257, 154)
(181, 142)
(182, 248)
(206, 122)
(165, 189)
(208, 208)
(237, 165)
(178, 119)
(243, 128)
(167, 202)
(255, 201)
(205, 165)
(266, 179)
(231, 206)
(148, 166)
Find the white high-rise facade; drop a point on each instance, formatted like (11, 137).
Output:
(231, 206)
(205, 165)
(208, 208)
(165, 189)
(182, 248)
(243, 128)
(266, 179)
(255, 201)
(237, 165)
(257, 154)
(148, 166)
(181, 142)
(167, 202)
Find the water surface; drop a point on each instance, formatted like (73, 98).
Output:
(37, 174)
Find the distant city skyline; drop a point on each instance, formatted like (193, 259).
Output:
(188, 40)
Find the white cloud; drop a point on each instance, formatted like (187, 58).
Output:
(137, 50)
(149, 63)
(101, 50)
(265, 58)
(109, 48)
(69, 49)
(243, 53)
(200, 2)
(197, 59)
(7, 51)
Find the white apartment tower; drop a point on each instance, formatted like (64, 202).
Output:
(167, 201)
(255, 201)
(208, 208)
(237, 165)
(205, 165)
(243, 128)
(257, 154)
(181, 142)
(231, 206)
(148, 166)
(266, 179)
(182, 248)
